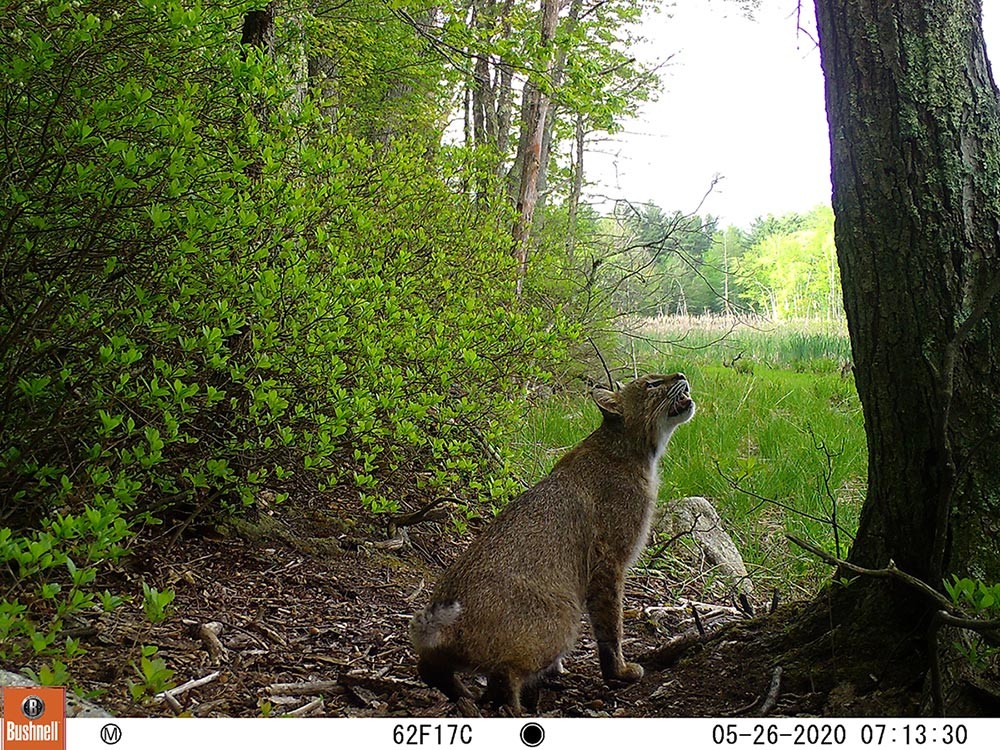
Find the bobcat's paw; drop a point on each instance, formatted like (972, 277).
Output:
(631, 672)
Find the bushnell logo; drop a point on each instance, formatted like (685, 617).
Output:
(34, 718)
(32, 707)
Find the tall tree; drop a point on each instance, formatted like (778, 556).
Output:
(914, 119)
(534, 115)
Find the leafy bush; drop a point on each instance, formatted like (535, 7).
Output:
(208, 291)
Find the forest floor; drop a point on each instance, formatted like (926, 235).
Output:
(309, 601)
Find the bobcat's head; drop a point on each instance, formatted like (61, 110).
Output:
(648, 409)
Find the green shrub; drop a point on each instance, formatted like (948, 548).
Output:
(209, 291)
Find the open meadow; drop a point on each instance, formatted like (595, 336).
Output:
(778, 441)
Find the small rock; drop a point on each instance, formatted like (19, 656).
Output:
(698, 516)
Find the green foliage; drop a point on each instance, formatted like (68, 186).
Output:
(55, 675)
(155, 603)
(603, 81)
(977, 596)
(49, 587)
(216, 285)
(784, 268)
(981, 600)
(794, 269)
(227, 331)
(153, 673)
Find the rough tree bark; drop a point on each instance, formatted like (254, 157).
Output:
(534, 113)
(258, 28)
(258, 33)
(914, 119)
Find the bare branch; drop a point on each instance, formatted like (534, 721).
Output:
(891, 572)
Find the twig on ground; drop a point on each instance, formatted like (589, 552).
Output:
(315, 687)
(697, 620)
(423, 514)
(208, 634)
(308, 708)
(771, 698)
(166, 695)
(410, 598)
(174, 704)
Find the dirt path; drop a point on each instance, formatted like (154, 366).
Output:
(290, 615)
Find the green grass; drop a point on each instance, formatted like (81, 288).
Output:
(811, 346)
(759, 433)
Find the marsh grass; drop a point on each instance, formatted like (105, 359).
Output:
(779, 446)
(804, 345)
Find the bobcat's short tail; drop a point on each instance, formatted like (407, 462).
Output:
(426, 625)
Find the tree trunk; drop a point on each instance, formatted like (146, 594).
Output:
(915, 137)
(258, 32)
(533, 115)
(558, 71)
(491, 82)
(576, 189)
(258, 28)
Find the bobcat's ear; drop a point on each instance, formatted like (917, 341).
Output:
(607, 402)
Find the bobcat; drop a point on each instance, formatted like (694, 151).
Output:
(510, 606)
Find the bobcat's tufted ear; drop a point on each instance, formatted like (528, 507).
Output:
(607, 402)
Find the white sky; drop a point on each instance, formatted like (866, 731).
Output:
(741, 98)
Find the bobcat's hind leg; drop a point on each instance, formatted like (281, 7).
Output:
(530, 693)
(441, 675)
(504, 689)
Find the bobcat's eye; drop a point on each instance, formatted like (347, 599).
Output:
(653, 384)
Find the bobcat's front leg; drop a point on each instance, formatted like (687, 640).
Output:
(604, 604)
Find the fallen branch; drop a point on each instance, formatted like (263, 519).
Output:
(167, 695)
(668, 654)
(378, 683)
(708, 611)
(771, 698)
(423, 514)
(307, 709)
(85, 631)
(314, 687)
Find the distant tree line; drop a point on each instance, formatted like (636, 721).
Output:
(781, 267)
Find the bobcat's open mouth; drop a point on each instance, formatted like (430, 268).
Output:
(680, 406)
(682, 401)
